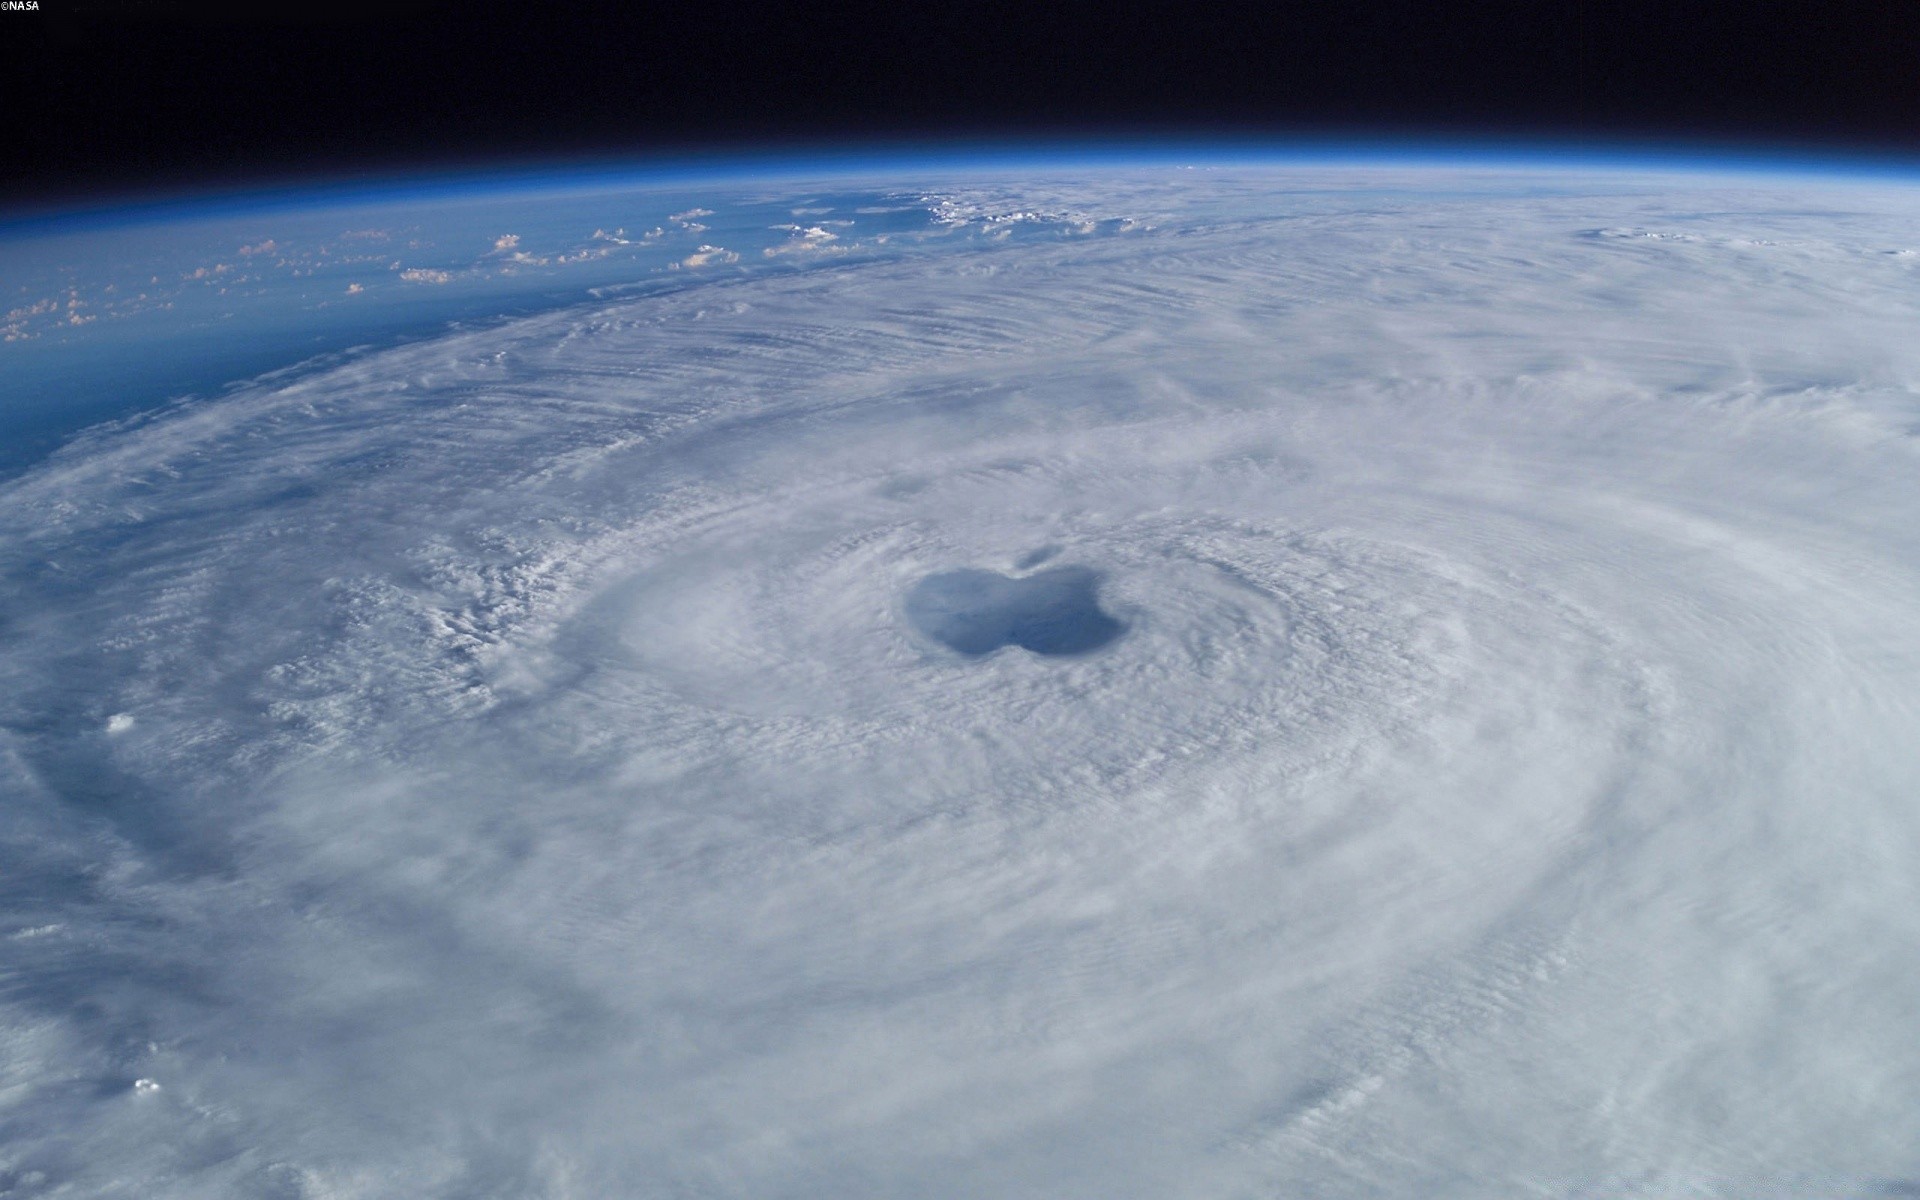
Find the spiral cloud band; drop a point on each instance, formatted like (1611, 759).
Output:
(1409, 691)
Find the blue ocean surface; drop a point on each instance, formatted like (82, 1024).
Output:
(107, 318)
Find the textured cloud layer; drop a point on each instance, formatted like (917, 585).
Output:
(503, 765)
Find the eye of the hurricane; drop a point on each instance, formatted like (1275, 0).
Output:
(1055, 612)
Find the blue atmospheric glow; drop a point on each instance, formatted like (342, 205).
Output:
(728, 165)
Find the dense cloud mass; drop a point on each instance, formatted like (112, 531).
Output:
(1411, 696)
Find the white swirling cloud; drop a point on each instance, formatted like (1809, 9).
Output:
(500, 766)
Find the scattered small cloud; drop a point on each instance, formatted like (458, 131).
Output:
(37, 308)
(685, 220)
(354, 289)
(707, 256)
(805, 239)
(423, 275)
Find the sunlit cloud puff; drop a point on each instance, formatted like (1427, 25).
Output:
(1415, 697)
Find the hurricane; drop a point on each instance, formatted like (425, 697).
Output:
(1277, 680)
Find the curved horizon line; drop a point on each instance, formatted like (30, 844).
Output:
(823, 159)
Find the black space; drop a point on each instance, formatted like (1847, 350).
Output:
(116, 95)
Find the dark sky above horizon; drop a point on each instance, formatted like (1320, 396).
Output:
(120, 95)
